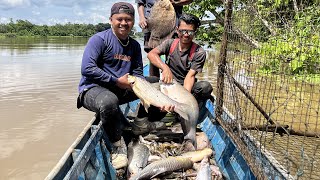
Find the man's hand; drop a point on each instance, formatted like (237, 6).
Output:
(167, 108)
(123, 83)
(173, 2)
(167, 76)
(143, 23)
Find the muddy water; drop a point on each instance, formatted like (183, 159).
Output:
(38, 115)
(38, 90)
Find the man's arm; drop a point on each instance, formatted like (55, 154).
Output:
(189, 80)
(181, 2)
(89, 66)
(142, 19)
(154, 57)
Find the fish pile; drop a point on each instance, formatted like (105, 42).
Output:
(149, 159)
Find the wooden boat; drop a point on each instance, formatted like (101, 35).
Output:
(89, 157)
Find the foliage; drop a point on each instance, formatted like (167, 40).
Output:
(287, 31)
(25, 28)
(207, 33)
(294, 50)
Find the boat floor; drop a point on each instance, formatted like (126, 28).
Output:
(168, 141)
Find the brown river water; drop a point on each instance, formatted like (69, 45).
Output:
(38, 90)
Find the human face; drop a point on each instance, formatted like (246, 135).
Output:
(122, 24)
(185, 38)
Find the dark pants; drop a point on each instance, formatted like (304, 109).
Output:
(105, 102)
(201, 90)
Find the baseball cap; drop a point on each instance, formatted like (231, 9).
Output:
(122, 7)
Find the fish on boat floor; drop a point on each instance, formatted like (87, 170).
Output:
(165, 144)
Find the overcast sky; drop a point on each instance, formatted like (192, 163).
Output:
(51, 12)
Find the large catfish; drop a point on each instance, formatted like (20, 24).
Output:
(161, 23)
(178, 93)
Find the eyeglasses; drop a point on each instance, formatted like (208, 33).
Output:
(189, 32)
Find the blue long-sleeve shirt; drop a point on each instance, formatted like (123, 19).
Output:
(105, 60)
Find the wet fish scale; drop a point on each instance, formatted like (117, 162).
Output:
(178, 93)
(204, 173)
(138, 155)
(164, 166)
(150, 95)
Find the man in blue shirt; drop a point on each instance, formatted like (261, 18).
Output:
(109, 57)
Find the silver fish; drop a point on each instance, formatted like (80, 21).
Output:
(161, 23)
(138, 155)
(178, 93)
(204, 172)
(196, 156)
(149, 95)
(163, 166)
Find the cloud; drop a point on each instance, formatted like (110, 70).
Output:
(58, 11)
(77, 11)
(35, 12)
(9, 4)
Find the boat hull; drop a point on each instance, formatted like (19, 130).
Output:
(89, 156)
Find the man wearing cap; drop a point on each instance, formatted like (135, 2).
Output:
(109, 57)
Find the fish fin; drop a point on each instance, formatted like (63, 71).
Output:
(182, 111)
(146, 104)
(155, 175)
(183, 115)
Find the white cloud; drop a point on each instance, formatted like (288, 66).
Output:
(35, 12)
(58, 11)
(77, 11)
(4, 20)
(98, 18)
(8, 4)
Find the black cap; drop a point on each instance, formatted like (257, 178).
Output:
(122, 7)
